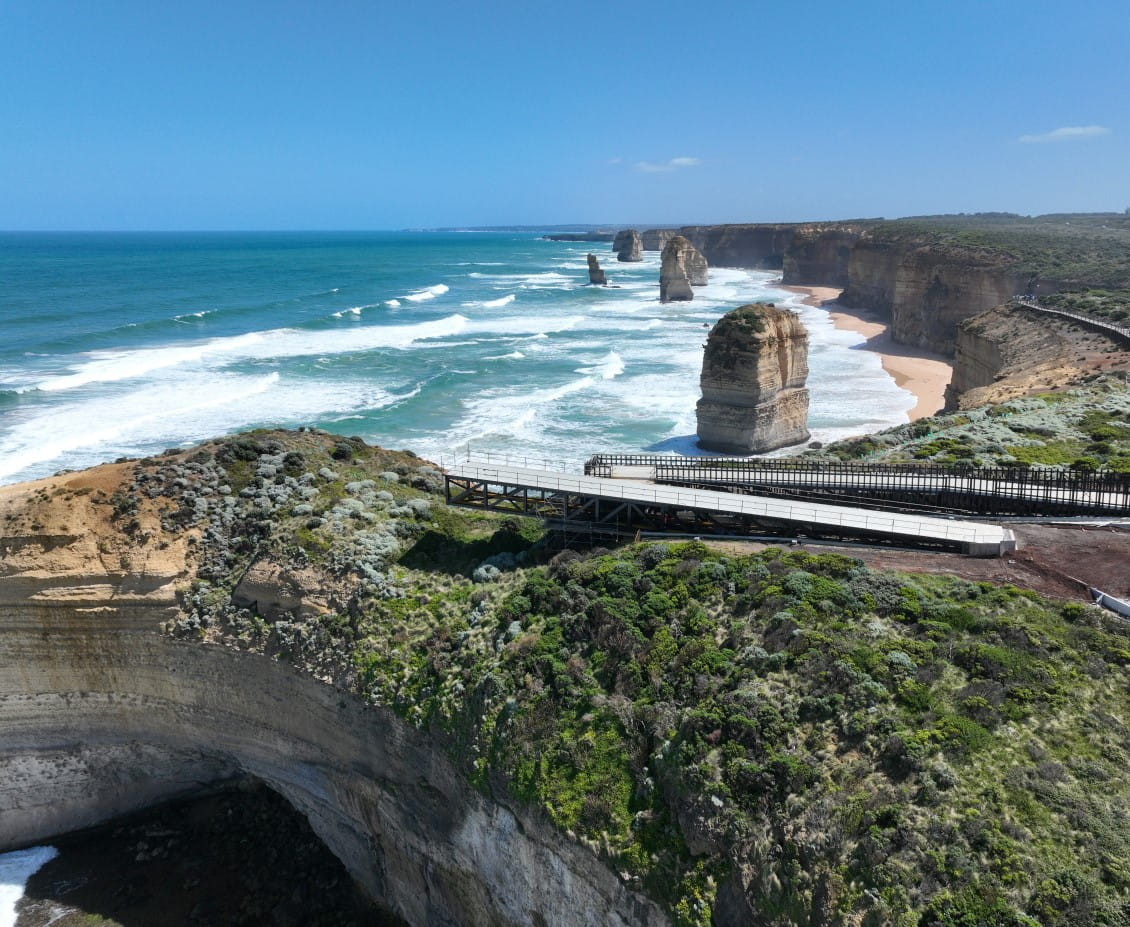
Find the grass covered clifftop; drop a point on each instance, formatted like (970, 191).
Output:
(1087, 249)
(775, 738)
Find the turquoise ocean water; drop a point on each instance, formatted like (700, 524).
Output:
(125, 344)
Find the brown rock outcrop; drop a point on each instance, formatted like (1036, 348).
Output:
(102, 714)
(627, 246)
(683, 267)
(753, 375)
(597, 277)
(1010, 351)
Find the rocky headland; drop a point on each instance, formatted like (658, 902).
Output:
(656, 239)
(487, 731)
(753, 375)
(682, 268)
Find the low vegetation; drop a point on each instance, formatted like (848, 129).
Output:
(778, 738)
(1087, 428)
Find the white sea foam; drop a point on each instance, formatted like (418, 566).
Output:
(513, 355)
(355, 312)
(112, 366)
(430, 293)
(499, 303)
(392, 303)
(15, 869)
(174, 411)
(608, 367)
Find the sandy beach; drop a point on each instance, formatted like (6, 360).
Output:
(921, 373)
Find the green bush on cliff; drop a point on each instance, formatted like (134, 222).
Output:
(909, 750)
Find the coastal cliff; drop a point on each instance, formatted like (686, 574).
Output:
(927, 290)
(102, 712)
(760, 247)
(819, 255)
(1011, 350)
(753, 375)
(656, 239)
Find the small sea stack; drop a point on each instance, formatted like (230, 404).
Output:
(597, 276)
(627, 246)
(753, 382)
(683, 268)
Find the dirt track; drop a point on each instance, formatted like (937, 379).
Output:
(1055, 561)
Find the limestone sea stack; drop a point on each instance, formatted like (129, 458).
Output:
(753, 374)
(596, 275)
(683, 267)
(627, 246)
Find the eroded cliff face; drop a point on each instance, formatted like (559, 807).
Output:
(101, 713)
(753, 382)
(656, 239)
(927, 291)
(819, 255)
(1010, 351)
(760, 247)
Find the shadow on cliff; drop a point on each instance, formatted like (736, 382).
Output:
(238, 855)
(445, 553)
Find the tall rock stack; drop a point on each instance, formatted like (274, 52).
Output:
(683, 267)
(753, 374)
(627, 246)
(596, 274)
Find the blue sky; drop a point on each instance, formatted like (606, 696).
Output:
(345, 114)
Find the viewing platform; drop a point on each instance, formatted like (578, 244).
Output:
(632, 504)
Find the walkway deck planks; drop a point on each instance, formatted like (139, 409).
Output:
(540, 492)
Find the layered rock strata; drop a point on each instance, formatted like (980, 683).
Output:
(760, 247)
(1010, 351)
(927, 291)
(819, 255)
(627, 246)
(683, 268)
(597, 276)
(656, 239)
(753, 382)
(101, 714)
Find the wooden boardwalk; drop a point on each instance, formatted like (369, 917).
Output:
(605, 500)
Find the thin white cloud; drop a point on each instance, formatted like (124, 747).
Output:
(650, 167)
(1066, 134)
(615, 160)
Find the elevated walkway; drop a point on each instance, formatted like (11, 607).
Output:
(998, 491)
(609, 501)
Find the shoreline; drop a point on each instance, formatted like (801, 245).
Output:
(923, 374)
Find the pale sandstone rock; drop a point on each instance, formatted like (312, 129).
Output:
(683, 267)
(753, 375)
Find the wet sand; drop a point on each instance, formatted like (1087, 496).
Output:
(921, 373)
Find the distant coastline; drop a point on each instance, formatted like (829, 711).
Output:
(921, 373)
